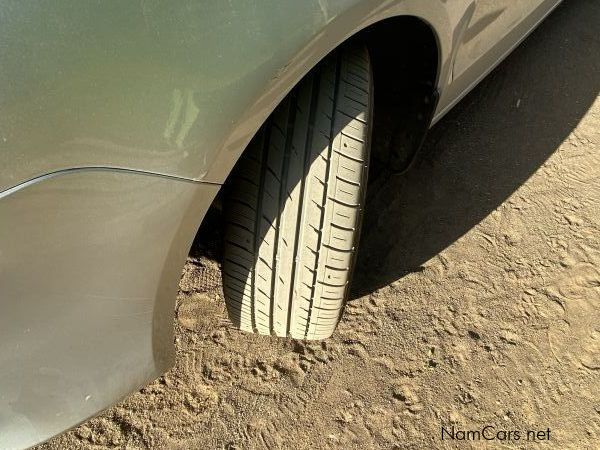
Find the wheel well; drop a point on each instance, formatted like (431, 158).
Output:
(405, 60)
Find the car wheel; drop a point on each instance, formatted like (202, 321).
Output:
(294, 202)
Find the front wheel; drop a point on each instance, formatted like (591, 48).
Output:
(294, 203)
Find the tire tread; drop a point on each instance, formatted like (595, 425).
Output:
(293, 207)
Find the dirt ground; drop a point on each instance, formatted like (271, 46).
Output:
(476, 299)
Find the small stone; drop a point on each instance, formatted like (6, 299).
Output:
(83, 432)
(333, 437)
(345, 417)
(509, 337)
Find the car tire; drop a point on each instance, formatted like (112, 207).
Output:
(294, 202)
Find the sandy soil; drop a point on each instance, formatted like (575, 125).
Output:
(476, 300)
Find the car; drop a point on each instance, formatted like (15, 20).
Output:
(122, 122)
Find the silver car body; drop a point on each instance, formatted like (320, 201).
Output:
(119, 121)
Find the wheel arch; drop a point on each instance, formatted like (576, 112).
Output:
(423, 40)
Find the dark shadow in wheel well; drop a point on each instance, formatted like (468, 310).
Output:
(405, 59)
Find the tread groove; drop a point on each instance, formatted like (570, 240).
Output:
(338, 71)
(314, 100)
(292, 110)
